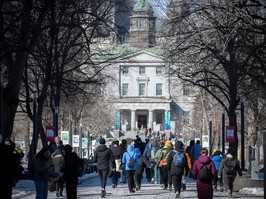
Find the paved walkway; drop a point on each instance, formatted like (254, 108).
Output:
(89, 188)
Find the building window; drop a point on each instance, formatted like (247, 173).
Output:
(124, 89)
(141, 70)
(158, 70)
(186, 89)
(159, 89)
(159, 118)
(141, 89)
(186, 117)
(125, 70)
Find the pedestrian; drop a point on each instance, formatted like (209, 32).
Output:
(9, 165)
(191, 144)
(158, 155)
(153, 161)
(70, 172)
(177, 166)
(217, 158)
(130, 171)
(56, 144)
(204, 165)
(43, 166)
(183, 188)
(59, 162)
(104, 158)
(229, 168)
(164, 152)
(139, 169)
(123, 149)
(117, 156)
(195, 152)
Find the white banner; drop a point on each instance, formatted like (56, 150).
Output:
(75, 141)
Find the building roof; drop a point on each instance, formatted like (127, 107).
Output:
(142, 6)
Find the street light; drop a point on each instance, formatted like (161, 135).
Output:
(242, 133)
(56, 110)
(223, 131)
(1, 102)
(210, 134)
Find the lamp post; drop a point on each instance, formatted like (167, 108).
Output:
(35, 133)
(210, 134)
(89, 136)
(80, 140)
(70, 129)
(1, 102)
(56, 109)
(242, 134)
(223, 132)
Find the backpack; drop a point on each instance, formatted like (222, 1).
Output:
(229, 167)
(153, 153)
(130, 163)
(80, 167)
(179, 159)
(204, 173)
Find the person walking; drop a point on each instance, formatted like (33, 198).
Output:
(195, 152)
(59, 162)
(104, 158)
(43, 165)
(123, 149)
(9, 165)
(177, 163)
(191, 144)
(153, 161)
(217, 158)
(117, 156)
(203, 171)
(70, 171)
(165, 151)
(130, 171)
(229, 167)
(139, 169)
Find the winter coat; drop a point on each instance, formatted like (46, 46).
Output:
(195, 152)
(116, 152)
(104, 158)
(175, 170)
(155, 147)
(204, 189)
(140, 165)
(71, 164)
(126, 156)
(42, 168)
(229, 179)
(163, 153)
(59, 162)
(217, 161)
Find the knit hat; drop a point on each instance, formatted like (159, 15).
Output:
(179, 145)
(168, 143)
(102, 141)
(68, 148)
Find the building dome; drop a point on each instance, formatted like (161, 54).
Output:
(142, 6)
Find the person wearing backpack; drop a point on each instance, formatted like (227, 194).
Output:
(165, 151)
(130, 159)
(229, 168)
(177, 163)
(217, 158)
(153, 161)
(194, 152)
(104, 158)
(139, 168)
(203, 171)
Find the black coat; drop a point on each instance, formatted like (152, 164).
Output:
(70, 167)
(174, 170)
(104, 157)
(116, 152)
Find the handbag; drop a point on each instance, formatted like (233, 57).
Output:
(160, 163)
(51, 185)
(117, 164)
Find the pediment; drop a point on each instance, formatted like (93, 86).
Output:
(141, 56)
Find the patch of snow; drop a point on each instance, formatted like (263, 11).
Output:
(258, 191)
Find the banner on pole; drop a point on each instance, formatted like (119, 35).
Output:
(84, 143)
(75, 141)
(65, 137)
(167, 120)
(50, 133)
(230, 134)
(117, 120)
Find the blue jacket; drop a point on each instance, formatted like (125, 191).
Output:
(217, 161)
(195, 152)
(126, 156)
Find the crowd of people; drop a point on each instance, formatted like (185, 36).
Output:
(166, 163)
(163, 162)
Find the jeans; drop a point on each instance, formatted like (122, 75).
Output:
(130, 177)
(154, 172)
(177, 181)
(123, 176)
(103, 177)
(41, 187)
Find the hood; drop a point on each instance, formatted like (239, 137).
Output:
(179, 145)
(130, 148)
(154, 144)
(229, 155)
(102, 147)
(204, 159)
(137, 151)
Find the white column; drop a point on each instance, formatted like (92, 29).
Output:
(150, 119)
(133, 120)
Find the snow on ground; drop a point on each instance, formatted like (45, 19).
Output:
(258, 191)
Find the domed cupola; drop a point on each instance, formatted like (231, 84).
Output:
(142, 25)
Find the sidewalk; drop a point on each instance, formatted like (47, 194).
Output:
(89, 188)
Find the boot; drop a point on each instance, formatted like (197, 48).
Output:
(57, 194)
(184, 187)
